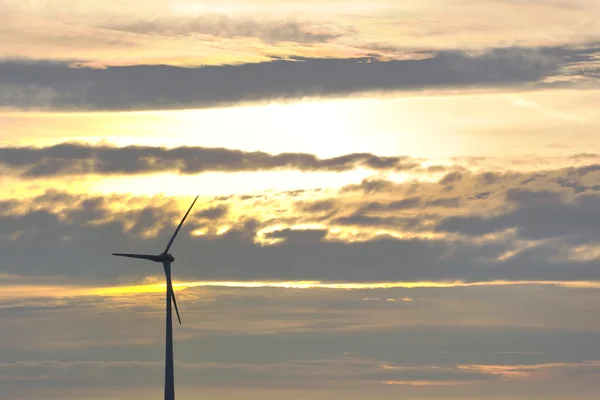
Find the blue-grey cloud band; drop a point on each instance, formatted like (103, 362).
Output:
(73, 159)
(57, 86)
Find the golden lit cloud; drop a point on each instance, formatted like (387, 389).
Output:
(533, 371)
(184, 33)
(429, 383)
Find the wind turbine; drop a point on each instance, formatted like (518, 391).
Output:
(166, 259)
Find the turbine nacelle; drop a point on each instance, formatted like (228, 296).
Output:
(167, 257)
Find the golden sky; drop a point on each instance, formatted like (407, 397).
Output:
(397, 199)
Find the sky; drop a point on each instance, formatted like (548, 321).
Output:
(398, 200)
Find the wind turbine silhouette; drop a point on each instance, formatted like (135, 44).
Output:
(166, 259)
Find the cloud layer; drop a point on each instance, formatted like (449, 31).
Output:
(57, 86)
(278, 338)
(81, 159)
(180, 32)
(473, 227)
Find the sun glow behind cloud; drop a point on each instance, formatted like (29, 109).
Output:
(428, 124)
(439, 126)
(220, 183)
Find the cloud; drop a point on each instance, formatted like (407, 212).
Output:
(318, 372)
(451, 178)
(287, 338)
(318, 206)
(371, 185)
(81, 159)
(524, 197)
(33, 85)
(537, 221)
(544, 371)
(529, 226)
(299, 235)
(411, 203)
(91, 233)
(359, 219)
(159, 31)
(93, 374)
(227, 27)
(214, 212)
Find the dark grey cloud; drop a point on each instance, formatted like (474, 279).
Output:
(524, 197)
(538, 217)
(319, 206)
(446, 202)
(546, 185)
(298, 235)
(226, 27)
(412, 224)
(75, 159)
(412, 203)
(370, 185)
(451, 177)
(78, 243)
(58, 86)
(214, 212)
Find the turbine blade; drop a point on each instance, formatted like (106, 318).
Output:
(175, 303)
(150, 257)
(170, 291)
(179, 227)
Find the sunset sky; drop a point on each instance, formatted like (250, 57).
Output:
(398, 199)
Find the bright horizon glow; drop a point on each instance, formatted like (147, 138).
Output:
(23, 291)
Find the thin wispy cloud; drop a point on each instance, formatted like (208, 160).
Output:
(183, 33)
(223, 26)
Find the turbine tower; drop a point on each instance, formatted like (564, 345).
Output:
(166, 259)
